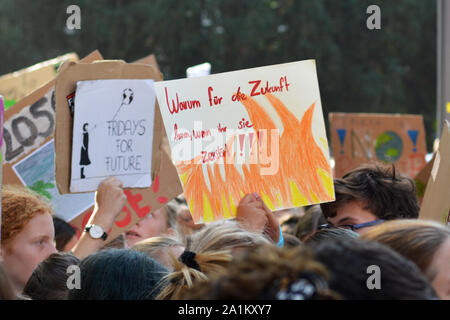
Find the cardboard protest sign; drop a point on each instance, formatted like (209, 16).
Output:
(436, 201)
(150, 60)
(28, 150)
(256, 130)
(165, 184)
(116, 139)
(15, 86)
(421, 179)
(358, 138)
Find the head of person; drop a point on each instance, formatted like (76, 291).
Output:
(426, 243)
(85, 127)
(371, 194)
(288, 219)
(208, 252)
(267, 272)
(27, 233)
(365, 270)
(118, 274)
(65, 235)
(49, 280)
(329, 234)
(159, 222)
(161, 249)
(309, 222)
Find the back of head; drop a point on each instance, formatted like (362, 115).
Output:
(383, 191)
(363, 270)
(208, 252)
(161, 249)
(329, 234)
(64, 232)
(267, 272)
(309, 223)
(417, 240)
(19, 206)
(118, 274)
(223, 235)
(49, 280)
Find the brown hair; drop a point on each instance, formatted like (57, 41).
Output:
(309, 223)
(383, 191)
(19, 206)
(417, 240)
(265, 272)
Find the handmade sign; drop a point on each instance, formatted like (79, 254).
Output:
(2, 113)
(165, 184)
(150, 60)
(436, 201)
(358, 138)
(256, 130)
(28, 149)
(115, 139)
(421, 179)
(15, 86)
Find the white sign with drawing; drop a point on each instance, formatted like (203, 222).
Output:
(112, 133)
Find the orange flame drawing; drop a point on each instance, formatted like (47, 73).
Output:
(304, 175)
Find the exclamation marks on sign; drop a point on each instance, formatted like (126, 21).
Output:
(341, 134)
(250, 136)
(241, 143)
(413, 135)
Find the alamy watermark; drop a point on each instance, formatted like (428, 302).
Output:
(374, 280)
(74, 20)
(374, 20)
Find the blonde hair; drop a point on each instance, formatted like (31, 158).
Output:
(417, 240)
(211, 251)
(157, 247)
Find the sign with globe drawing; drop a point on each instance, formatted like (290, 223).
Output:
(358, 138)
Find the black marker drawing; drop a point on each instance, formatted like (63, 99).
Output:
(84, 157)
(127, 98)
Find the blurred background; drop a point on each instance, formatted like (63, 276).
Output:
(392, 70)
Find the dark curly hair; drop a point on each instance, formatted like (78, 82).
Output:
(383, 191)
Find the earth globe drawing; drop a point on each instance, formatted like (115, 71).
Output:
(388, 147)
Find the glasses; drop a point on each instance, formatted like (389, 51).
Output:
(353, 227)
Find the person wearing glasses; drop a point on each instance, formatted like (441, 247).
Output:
(368, 196)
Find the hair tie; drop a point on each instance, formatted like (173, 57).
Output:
(188, 258)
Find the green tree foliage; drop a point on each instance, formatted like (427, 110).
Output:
(392, 70)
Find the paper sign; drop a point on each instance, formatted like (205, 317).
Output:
(28, 150)
(115, 139)
(358, 138)
(15, 86)
(256, 130)
(436, 201)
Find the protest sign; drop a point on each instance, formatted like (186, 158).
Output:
(165, 184)
(15, 86)
(358, 138)
(150, 60)
(115, 139)
(257, 130)
(436, 201)
(421, 179)
(28, 149)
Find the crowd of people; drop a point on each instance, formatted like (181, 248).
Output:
(368, 244)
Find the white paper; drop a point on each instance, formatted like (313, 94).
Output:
(112, 133)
